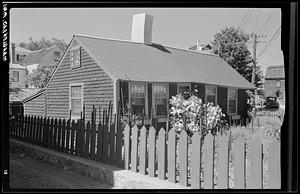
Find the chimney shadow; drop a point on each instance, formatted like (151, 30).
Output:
(160, 47)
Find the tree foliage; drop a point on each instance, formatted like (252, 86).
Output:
(44, 43)
(40, 76)
(232, 45)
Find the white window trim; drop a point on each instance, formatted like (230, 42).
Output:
(236, 96)
(183, 84)
(211, 86)
(82, 90)
(77, 47)
(153, 99)
(146, 95)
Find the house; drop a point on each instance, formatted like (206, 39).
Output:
(18, 75)
(18, 53)
(275, 83)
(203, 48)
(96, 71)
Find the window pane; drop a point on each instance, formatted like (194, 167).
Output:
(138, 109)
(161, 106)
(137, 90)
(76, 107)
(211, 90)
(232, 94)
(76, 91)
(211, 98)
(75, 57)
(232, 106)
(160, 90)
(277, 84)
(138, 101)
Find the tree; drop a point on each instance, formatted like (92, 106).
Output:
(44, 43)
(40, 76)
(232, 47)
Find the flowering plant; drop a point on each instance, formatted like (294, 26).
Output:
(197, 115)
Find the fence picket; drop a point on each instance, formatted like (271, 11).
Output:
(119, 138)
(87, 140)
(152, 152)
(40, 130)
(73, 128)
(93, 134)
(63, 135)
(208, 161)
(59, 135)
(55, 128)
(143, 150)
(25, 128)
(112, 142)
(51, 134)
(68, 128)
(255, 164)
(274, 181)
(105, 137)
(182, 158)
(239, 163)
(223, 162)
(127, 150)
(196, 159)
(134, 148)
(99, 142)
(46, 132)
(172, 156)
(161, 154)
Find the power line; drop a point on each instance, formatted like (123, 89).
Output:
(266, 22)
(259, 14)
(275, 35)
(268, 25)
(248, 16)
(243, 18)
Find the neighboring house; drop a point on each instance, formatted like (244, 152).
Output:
(202, 48)
(275, 83)
(18, 53)
(18, 74)
(96, 71)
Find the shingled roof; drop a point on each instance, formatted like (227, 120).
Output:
(275, 72)
(125, 60)
(35, 56)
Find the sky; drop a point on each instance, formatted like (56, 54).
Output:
(176, 27)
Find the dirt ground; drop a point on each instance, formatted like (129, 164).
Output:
(27, 173)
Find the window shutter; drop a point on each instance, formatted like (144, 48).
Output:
(222, 99)
(149, 99)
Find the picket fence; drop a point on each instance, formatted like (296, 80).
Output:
(192, 163)
(102, 142)
(173, 157)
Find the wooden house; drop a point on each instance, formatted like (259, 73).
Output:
(96, 71)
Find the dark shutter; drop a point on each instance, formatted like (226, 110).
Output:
(200, 90)
(222, 98)
(172, 90)
(124, 95)
(242, 103)
(149, 99)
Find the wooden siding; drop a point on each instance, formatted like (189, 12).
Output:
(35, 106)
(97, 87)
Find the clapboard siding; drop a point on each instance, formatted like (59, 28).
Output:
(97, 87)
(35, 106)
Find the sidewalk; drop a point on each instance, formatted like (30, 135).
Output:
(27, 173)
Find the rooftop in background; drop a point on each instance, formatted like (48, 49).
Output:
(127, 60)
(23, 50)
(275, 72)
(22, 94)
(35, 56)
(16, 66)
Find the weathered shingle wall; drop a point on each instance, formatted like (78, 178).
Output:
(35, 106)
(97, 87)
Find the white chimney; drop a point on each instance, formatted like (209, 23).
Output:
(142, 28)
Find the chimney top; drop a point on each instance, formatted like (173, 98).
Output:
(142, 28)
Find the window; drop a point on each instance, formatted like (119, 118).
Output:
(211, 94)
(76, 100)
(232, 101)
(18, 57)
(56, 56)
(160, 99)
(75, 56)
(137, 98)
(277, 84)
(15, 76)
(183, 87)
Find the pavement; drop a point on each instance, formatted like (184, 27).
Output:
(27, 173)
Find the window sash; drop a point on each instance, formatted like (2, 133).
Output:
(75, 57)
(232, 101)
(183, 87)
(211, 94)
(277, 84)
(138, 98)
(160, 99)
(76, 101)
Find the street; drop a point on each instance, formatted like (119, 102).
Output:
(27, 173)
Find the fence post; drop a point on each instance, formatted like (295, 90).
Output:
(172, 156)
(105, 136)
(196, 161)
(223, 156)
(161, 154)
(99, 140)
(93, 133)
(68, 136)
(143, 151)
(87, 140)
(63, 134)
(73, 128)
(112, 139)
(119, 138)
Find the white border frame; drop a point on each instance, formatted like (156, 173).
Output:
(236, 96)
(82, 90)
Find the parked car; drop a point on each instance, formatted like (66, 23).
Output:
(271, 103)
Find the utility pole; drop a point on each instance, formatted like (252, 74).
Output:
(254, 59)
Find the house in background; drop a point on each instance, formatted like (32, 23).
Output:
(96, 71)
(275, 83)
(18, 74)
(18, 53)
(202, 48)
